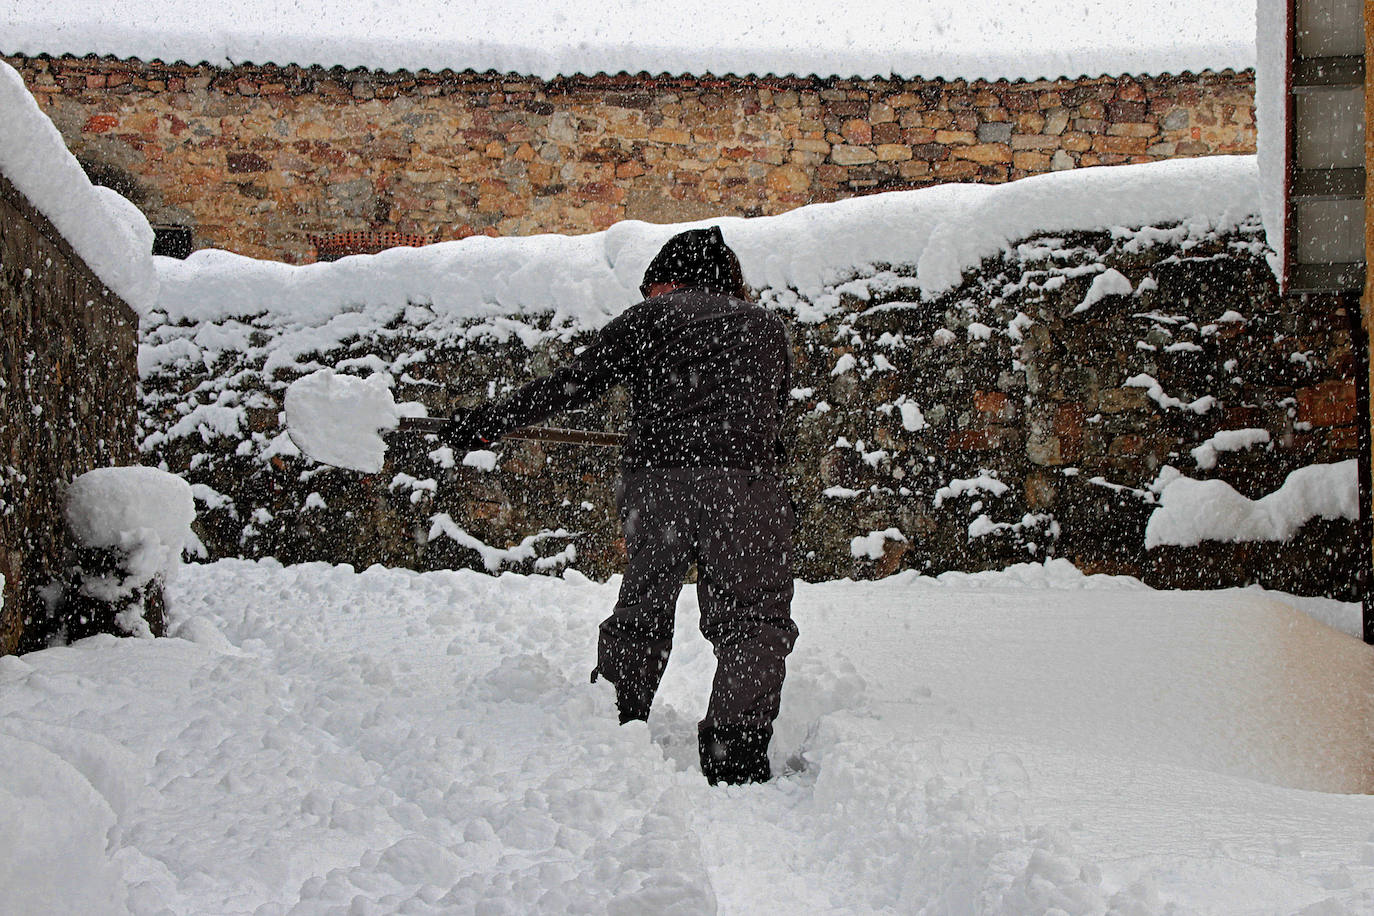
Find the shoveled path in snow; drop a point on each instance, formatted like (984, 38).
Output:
(325, 741)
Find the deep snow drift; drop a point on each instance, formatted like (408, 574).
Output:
(324, 741)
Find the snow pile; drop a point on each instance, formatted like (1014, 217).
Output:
(53, 850)
(913, 420)
(983, 526)
(104, 229)
(1191, 511)
(142, 512)
(1111, 282)
(1156, 393)
(985, 482)
(949, 39)
(338, 419)
(534, 286)
(1055, 573)
(325, 741)
(493, 558)
(482, 459)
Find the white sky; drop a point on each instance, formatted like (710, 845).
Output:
(917, 38)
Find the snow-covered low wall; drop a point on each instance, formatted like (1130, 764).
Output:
(985, 375)
(75, 261)
(800, 258)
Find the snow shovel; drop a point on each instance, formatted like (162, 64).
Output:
(339, 420)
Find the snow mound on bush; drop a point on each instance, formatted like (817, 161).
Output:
(143, 513)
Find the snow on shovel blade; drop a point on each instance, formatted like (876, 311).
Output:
(338, 419)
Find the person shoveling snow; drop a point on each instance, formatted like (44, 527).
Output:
(708, 374)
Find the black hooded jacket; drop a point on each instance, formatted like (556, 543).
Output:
(709, 378)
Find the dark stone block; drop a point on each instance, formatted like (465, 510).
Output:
(239, 163)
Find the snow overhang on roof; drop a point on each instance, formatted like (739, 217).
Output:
(931, 39)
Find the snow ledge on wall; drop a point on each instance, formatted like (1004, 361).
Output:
(105, 230)
(1192, 511)
(581, 282)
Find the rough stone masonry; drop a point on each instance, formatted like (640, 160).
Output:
(999, 423)
(258, 159)
(68, 403)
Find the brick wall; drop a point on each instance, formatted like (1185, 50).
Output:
(68, 402)
(256, 159)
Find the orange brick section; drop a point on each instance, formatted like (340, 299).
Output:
(99, 124)
(987, 439)
(1327, 404)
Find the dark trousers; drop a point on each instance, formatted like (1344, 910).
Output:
(737, 527)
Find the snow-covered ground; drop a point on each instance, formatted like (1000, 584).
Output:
(324, 741)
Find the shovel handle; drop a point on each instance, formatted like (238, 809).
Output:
(536, 433)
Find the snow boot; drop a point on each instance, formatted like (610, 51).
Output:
(734, 756)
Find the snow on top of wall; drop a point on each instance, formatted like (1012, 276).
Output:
(948, 39)
(1271, 112)
(581, 282)
(105, 230)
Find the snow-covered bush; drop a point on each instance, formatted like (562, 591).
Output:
(130, 526)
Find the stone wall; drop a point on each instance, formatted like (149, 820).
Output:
(1004, 383)
(1368, 301)
(68, 403)
(256, 159)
